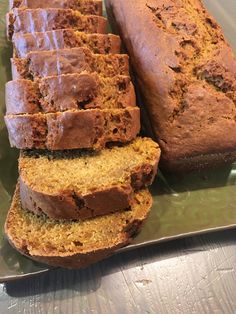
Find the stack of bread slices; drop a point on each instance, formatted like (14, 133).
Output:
(71, 109)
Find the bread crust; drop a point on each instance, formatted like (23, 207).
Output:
(93, 7)
(64, 38)
(76, 261)
(73, 129)
(186, 72)
(42, 20)
(69, 259)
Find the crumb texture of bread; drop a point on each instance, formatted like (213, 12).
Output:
(93, 7)
(80, 191)
(69, 92)
(191, 94)
(74, 244)
(64, 38)
(41, 20)
(64, 61)
(82, 169)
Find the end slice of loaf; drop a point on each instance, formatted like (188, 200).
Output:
(82, 184)
(42, 20)
(64, 61)
(71, 91)
(64, 38)
(74, 244)
(93, 7)
(71, 129)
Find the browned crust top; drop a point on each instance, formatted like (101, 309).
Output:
(191, 94)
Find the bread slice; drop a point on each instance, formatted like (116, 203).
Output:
(74, 244)
(71, 91)
(64, 61)
(71, 129)
(42, 20)
(84, 6)
(64, 38)
(84, 184)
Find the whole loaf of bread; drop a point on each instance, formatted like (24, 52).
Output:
(186, 73)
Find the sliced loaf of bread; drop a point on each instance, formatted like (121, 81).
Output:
(63, 61)
(64, 38)
(72, 129)
(42, 20)
(70, 91)
(74, 244)
(84, 6)
(84, 184)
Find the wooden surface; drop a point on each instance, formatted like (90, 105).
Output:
(195, 275)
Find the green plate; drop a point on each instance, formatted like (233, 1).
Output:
(184, 205)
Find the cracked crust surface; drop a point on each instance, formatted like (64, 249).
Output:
(191, 95)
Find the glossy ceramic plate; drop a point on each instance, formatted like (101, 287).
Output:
(184, 205)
